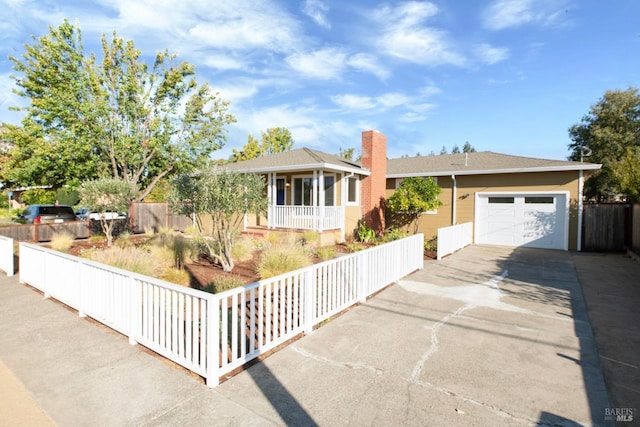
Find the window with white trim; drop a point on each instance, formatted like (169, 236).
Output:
(353, 195)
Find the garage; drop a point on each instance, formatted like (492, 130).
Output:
(537, 220)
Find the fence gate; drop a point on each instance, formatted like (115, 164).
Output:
(605, 226)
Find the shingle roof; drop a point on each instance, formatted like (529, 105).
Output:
(484, 162)
(299, 159)
(477, 163)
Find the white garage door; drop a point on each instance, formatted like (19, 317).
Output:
(534, 220)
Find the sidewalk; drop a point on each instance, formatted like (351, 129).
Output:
(611, 286)
(17, 406)
(487, 336)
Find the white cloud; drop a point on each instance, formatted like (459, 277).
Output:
(236, 92)
(489, 54)
(9, 99)
(370, 64)
(197, 24)
(354, 102)
(415, 110)
(503, 14)
(404, 35)
(316, 10)
(222, 62)
(393, 99)
(324, 64)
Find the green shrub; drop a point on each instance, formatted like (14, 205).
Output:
(64, 196)
(326, 252)
(282, 259)
(223, 283)
(366, 234)
(355, 246)
(95, 238)
(394, 234)
(431, 244)
(38, 196)
(62, 241)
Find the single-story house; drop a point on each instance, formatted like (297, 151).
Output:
(511, 200)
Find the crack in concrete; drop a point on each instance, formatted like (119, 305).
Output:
(350, 365)
(417, 369)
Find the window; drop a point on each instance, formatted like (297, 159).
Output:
(302, 191)
(539, 200)
(503, 200)
(352, 190)
(329, 190)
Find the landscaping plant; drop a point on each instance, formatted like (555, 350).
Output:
(62, 241)
(281, 259)
(107, 195)
(414, 196)
(224, 198)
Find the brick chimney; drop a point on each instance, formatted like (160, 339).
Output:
(374, 158)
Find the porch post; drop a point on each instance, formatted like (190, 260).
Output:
(314, 196)
(320, 208)
(344, 188)
(270, 182)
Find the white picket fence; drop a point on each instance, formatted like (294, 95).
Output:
(6, 255)
(453, 238)
(214, 334)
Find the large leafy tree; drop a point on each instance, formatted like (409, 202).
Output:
(274, 140)
(413, 197)
(120, 118)
(609, 134)
(224, 197)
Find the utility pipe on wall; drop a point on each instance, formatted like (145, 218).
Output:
(454, 198)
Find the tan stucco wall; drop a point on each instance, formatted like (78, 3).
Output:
(468, 185)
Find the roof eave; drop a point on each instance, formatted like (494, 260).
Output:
(293, 168)
(591, 166)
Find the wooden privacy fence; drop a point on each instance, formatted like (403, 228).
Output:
(635, 228)
(154, 216)
(605, 226)
(209, 334)
(45, 232)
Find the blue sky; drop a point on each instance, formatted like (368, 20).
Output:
(509, 76)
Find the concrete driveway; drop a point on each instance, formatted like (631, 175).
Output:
(488, 336)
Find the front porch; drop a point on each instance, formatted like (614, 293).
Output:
(307, 200)
(316, 218)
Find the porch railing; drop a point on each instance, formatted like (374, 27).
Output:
(317, 218)
(213, 334)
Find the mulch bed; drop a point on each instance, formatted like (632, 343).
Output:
(203, 272)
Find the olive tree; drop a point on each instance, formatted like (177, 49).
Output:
(225, 197)
(107, 195)
(414, 196)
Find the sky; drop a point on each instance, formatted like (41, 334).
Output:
(508, 76)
